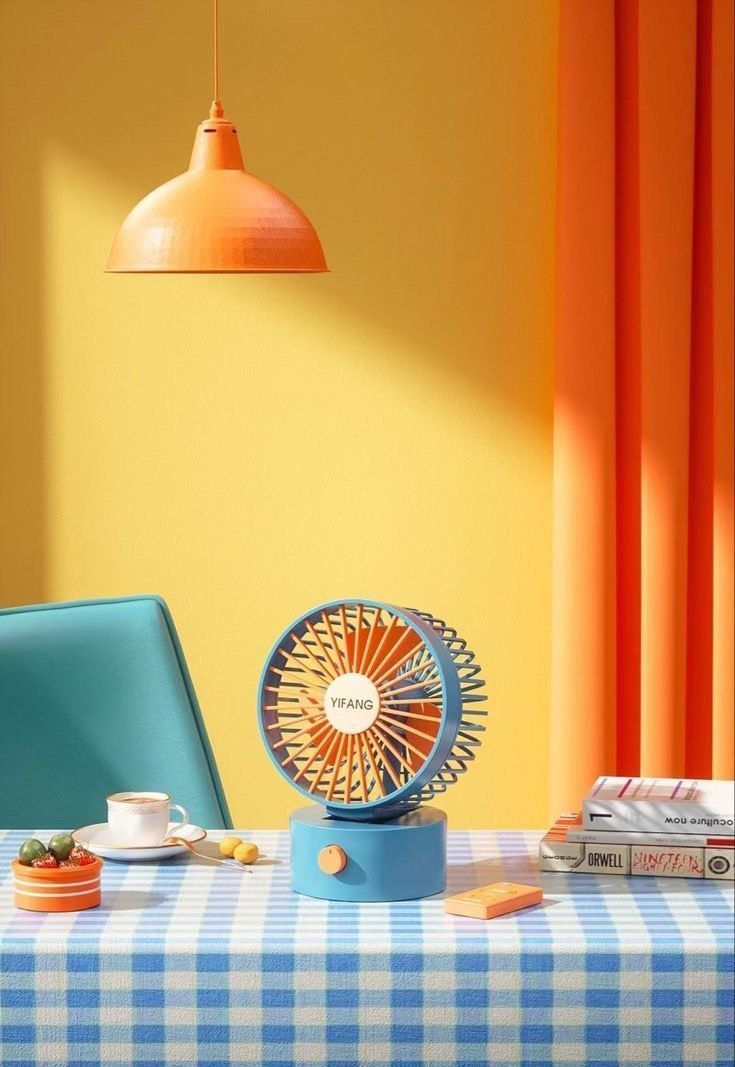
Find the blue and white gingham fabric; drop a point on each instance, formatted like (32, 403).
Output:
(189, 962)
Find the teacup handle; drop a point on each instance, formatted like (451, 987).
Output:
(184, 819)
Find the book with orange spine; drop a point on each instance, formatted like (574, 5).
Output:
(557, 853)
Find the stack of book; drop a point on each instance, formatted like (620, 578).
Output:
(666, 827)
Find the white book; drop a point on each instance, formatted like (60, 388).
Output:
(661, 805)
(558, 855)
(571, 822)
(641, 837)
(570, 826)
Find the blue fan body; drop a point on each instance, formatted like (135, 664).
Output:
(372, 811)
(398, 859)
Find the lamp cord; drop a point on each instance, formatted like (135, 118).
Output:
(216, 48)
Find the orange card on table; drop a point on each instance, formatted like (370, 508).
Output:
(489, 901)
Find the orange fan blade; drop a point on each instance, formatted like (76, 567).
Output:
(308, 702)
(395, 646)
(422, 743)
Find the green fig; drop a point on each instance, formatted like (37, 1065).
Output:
(61, 845)
(31, 849)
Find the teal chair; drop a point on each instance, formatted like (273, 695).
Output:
(95, 697)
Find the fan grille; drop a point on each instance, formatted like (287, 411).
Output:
(354, 708)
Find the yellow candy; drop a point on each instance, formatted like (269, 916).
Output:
(228, 845)
(246, 852)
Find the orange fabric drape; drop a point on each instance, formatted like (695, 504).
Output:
(642, 656)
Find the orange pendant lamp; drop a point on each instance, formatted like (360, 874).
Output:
(216, 218)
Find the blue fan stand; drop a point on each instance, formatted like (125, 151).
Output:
(399, 859)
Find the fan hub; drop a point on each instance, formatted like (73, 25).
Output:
(352, 703)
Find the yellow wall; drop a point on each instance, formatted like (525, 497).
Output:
(250, 446)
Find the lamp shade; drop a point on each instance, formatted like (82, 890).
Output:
(216, 218)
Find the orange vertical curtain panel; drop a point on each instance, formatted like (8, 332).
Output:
(723, 342)
(642, 660)
(583, 620)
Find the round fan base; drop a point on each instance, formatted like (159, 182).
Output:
(342, 859)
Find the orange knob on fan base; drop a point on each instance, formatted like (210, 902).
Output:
(332, 859)
(216, 218)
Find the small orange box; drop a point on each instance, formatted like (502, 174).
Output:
(489, 901)
(57, 888)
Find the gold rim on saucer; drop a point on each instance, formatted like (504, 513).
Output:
(140, 848)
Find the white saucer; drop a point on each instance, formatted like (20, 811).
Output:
(97, 838)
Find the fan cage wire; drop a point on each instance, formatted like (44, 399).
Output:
(330, 640)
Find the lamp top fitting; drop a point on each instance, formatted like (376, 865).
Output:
(216, 144)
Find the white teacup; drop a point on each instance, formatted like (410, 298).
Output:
(142, 818)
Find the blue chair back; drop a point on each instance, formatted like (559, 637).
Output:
(95, 697)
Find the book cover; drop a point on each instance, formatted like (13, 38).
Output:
(558, 854)
(572, 822)
(659, 805)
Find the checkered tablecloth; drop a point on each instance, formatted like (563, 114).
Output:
(189, 962)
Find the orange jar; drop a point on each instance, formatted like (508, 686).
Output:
(57, 888)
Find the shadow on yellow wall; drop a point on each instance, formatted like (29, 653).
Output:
(250, 446)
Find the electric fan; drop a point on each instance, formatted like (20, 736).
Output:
(371, 710)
